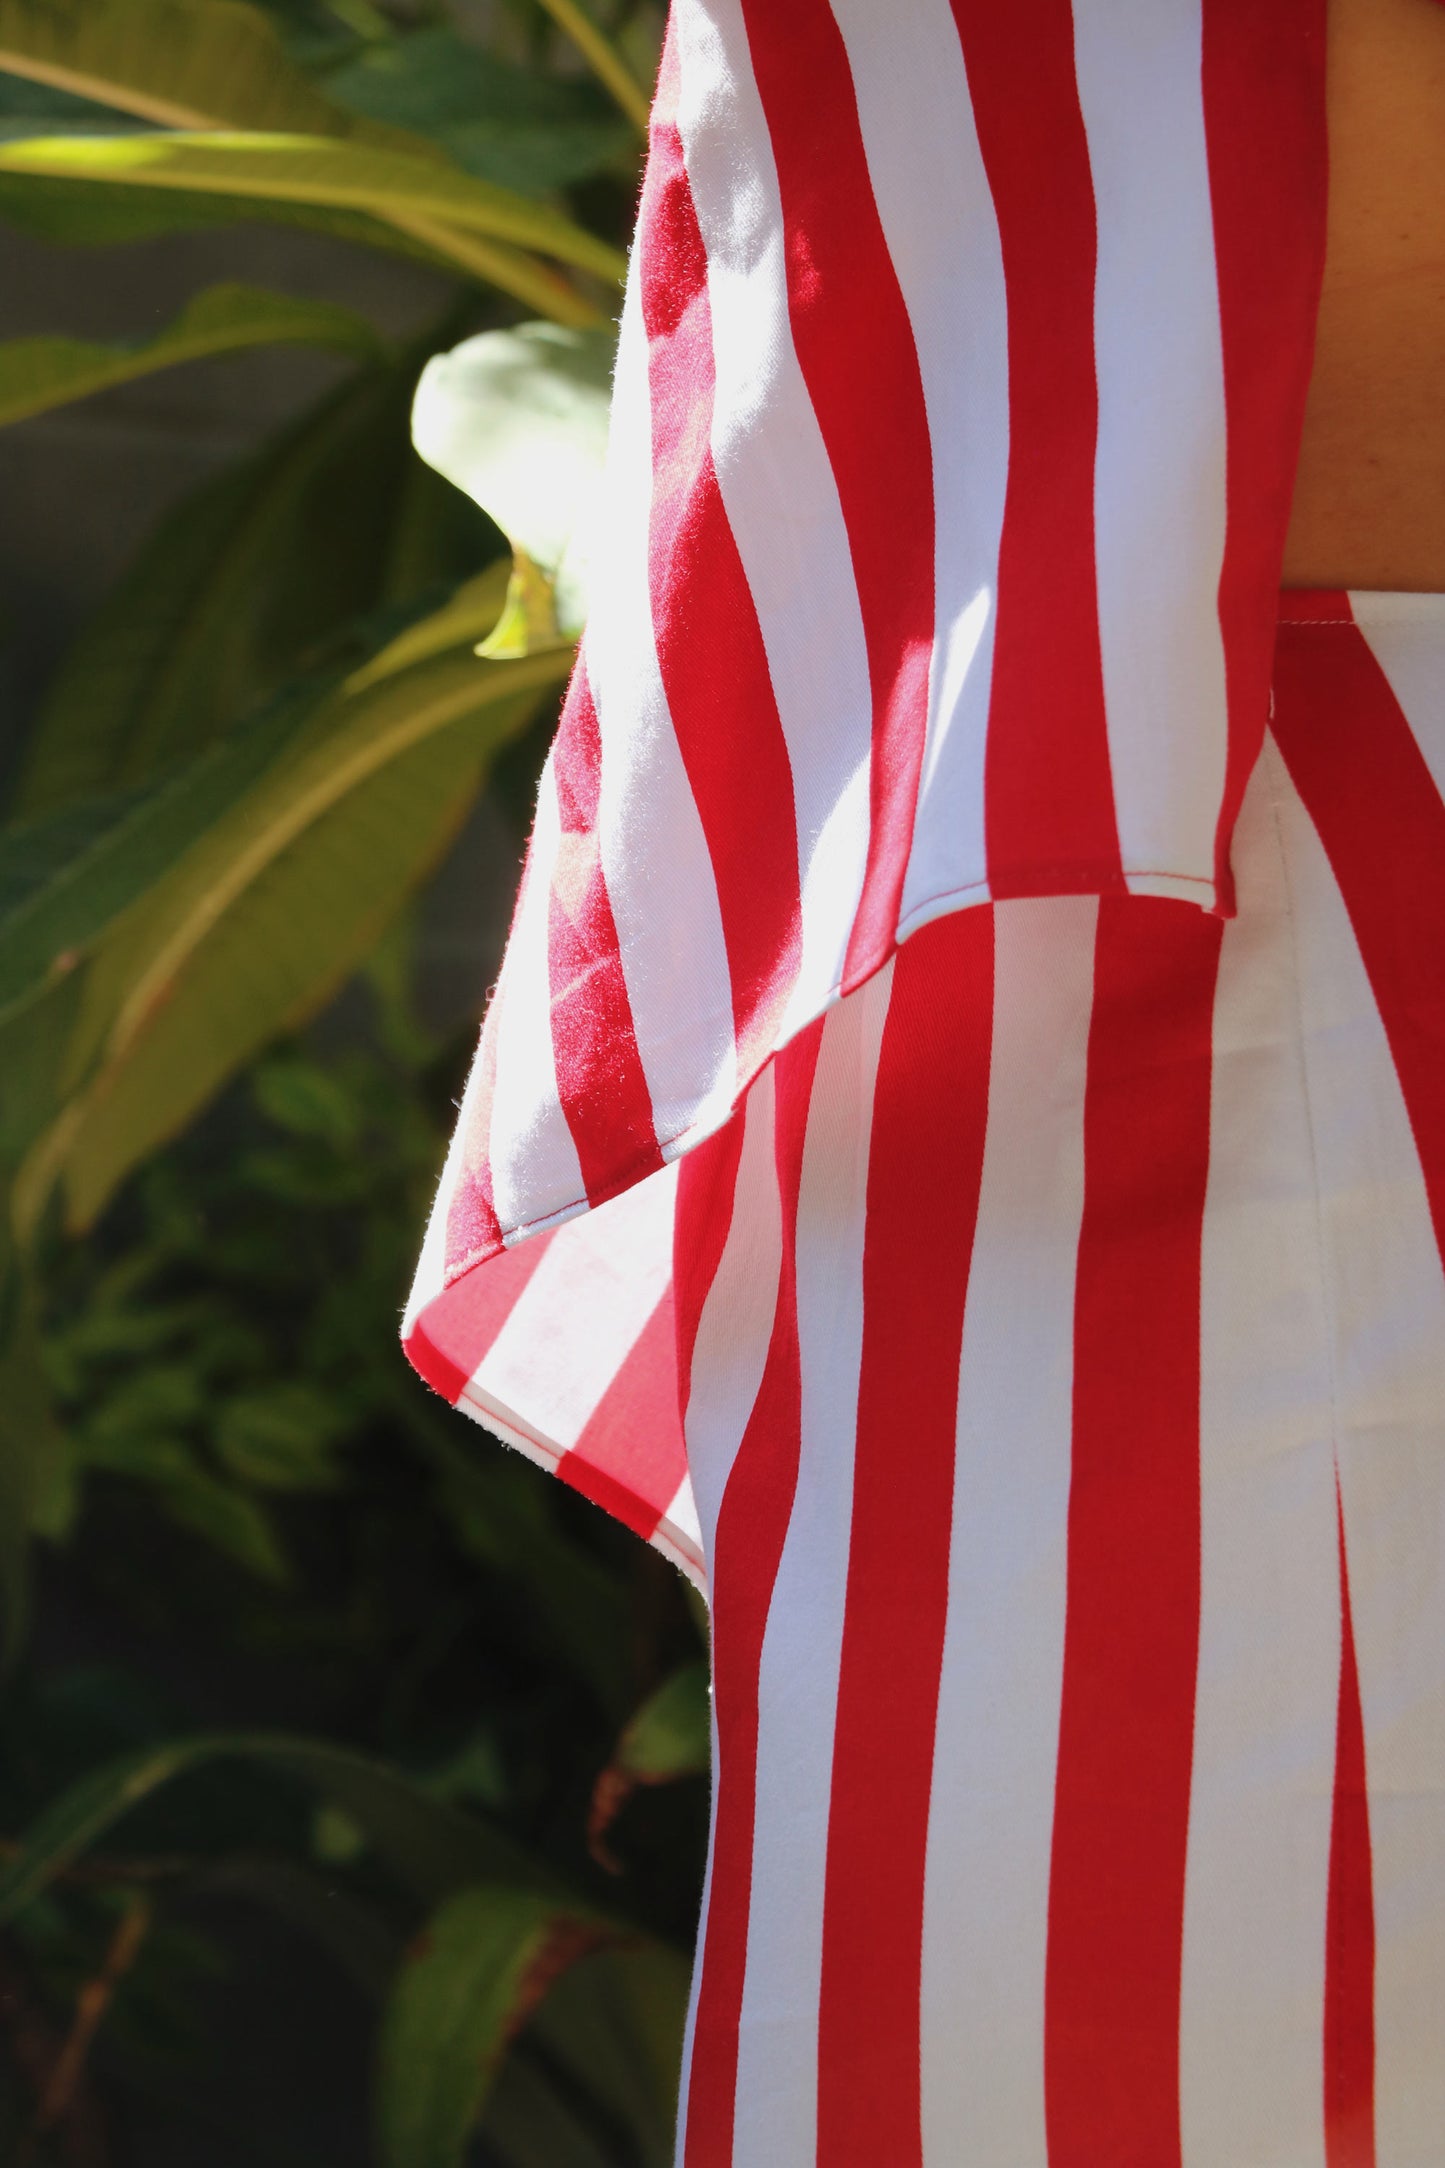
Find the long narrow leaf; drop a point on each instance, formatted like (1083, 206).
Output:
(39, 373)
(180, 63)
(314, 169)
(235, 586)
(65, 879)
(267, 914)
(431, 1846)
(602, 56)
(483, 1963)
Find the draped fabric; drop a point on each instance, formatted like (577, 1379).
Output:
(960, 382)
(956, 1156)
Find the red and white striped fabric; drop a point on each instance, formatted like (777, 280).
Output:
(1065, 1352)
(957, 1153)
(957, 400)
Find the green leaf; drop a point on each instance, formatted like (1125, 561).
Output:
(485, 227)
(431, 1847)
(270, 910)
(668, 1737)
(32, 1449)
(280, 1436)
(486, 1957)
(234, 589)
(300, 1096)
(65, 879)
(462, 619)
(210, 65)
(615, 2023)
(603, 57)
(501, 121)
(39, 373)
(231, 1522)
(179, 63)
(518, 419)
(355, 1935)
(81, 214)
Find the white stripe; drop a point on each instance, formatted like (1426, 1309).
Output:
(580, 1314)
(655, 856)
(776, 2117)
(1406, 635)
(1159, 479)
(684, 1532)
(1267, 1690)
(729, 1353)
(431, 1266)
(1387, 1295)
(990, 1828)
(936, 208)
(778, 489)
(531, 1147)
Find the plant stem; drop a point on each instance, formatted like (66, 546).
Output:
(602, 57)
(510, 269)
(91, 2005)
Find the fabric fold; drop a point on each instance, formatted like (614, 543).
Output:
(945, 503)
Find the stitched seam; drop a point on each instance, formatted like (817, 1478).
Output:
(1326, 1303)
(645, 1162)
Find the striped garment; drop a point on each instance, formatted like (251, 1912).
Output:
(1038, 1354)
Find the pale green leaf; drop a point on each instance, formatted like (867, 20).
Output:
(262, 919)
(39, 373)
(83, 214)
(463, 619)
(316, 170)
(518, 419)
(211, 65)
(179, 63)
(480, 1967)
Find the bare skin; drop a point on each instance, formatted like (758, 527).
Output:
(1369, 504)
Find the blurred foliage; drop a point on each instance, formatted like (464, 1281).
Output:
(352, 1792)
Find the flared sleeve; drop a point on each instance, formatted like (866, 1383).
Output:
(957, 404)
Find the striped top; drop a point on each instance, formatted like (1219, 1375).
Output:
(959, 390)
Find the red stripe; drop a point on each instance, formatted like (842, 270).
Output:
(1264, 116)
(1368, 790)
(1350, 1928)
(706, 1183)
(752, 1526)
(600, 1078)
(855, 346)
(925, 1164)
(456, 1330)
(474, 1231)
(1049, 803)
(1121, 1813)
(709, 643)
(630, 1457)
